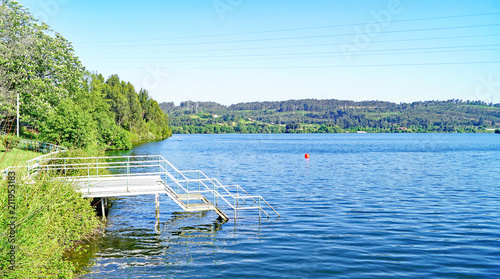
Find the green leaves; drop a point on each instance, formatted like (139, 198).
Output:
(72, 107)
(35, 62)
(68, 126)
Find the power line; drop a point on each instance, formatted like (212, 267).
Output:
(322, 66)
(305, 37)
(312, 55)
(306, 45)
(308, 53)
(296, 29)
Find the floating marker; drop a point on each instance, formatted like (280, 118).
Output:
(306, 156)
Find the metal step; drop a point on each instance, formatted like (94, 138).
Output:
(199, 207)
(191, 196)
(205, 206)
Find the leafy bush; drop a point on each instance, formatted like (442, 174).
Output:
(68, 126)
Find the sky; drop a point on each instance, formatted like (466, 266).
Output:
(231, 51)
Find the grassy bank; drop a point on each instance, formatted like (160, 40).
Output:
(41, 218)
(16, 157)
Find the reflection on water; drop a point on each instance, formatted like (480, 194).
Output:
(126, 247)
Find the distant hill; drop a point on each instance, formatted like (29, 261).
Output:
(332, 116)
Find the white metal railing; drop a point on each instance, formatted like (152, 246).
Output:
(184, 182)
(44, 147)
(39, 146)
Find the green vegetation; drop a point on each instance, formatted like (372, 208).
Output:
(49, 217)
(16, 157)
(332, 116)
(61, 102)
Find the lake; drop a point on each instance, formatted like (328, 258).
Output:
(362, 206)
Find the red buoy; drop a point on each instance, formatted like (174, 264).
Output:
(306, 156)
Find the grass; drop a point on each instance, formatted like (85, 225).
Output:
(49, 216)
(16, 157)
(42, 219)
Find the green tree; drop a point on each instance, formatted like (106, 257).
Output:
(67, 125)
(36, 63)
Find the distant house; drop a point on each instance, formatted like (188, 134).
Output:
(215, 116)
(402, 128)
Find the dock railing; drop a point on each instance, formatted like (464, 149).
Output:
(31, 167)
(179, 182)
(39, 146)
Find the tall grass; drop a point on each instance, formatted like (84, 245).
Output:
(16, 157)
(49, 218)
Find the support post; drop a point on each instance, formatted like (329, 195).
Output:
(157, 207)
(259, 210)
(214, 193)
(17, 114)
(166, 179)
(88, 177)
(128, 171)
(103, 208)
(187, 191)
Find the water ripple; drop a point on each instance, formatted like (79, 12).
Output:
(363, 206)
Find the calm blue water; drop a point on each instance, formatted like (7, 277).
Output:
(362, 206)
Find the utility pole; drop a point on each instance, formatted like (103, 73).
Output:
(17, 114)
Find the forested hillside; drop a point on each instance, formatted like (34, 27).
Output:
(332, 116)
(60, 101)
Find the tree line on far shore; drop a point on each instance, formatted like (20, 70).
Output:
(332, 116)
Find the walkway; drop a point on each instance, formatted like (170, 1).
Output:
(143, 175)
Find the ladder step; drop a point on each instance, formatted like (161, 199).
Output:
(199, 207)
(192, 196)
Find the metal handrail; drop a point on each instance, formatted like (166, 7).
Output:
(30, 164)
(182, 182)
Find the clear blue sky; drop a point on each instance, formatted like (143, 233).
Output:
(231, 51)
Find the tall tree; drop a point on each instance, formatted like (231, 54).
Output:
(36, 63)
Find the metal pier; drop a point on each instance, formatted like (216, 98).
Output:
(151, 174)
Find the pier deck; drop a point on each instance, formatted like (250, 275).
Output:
(102, 177)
